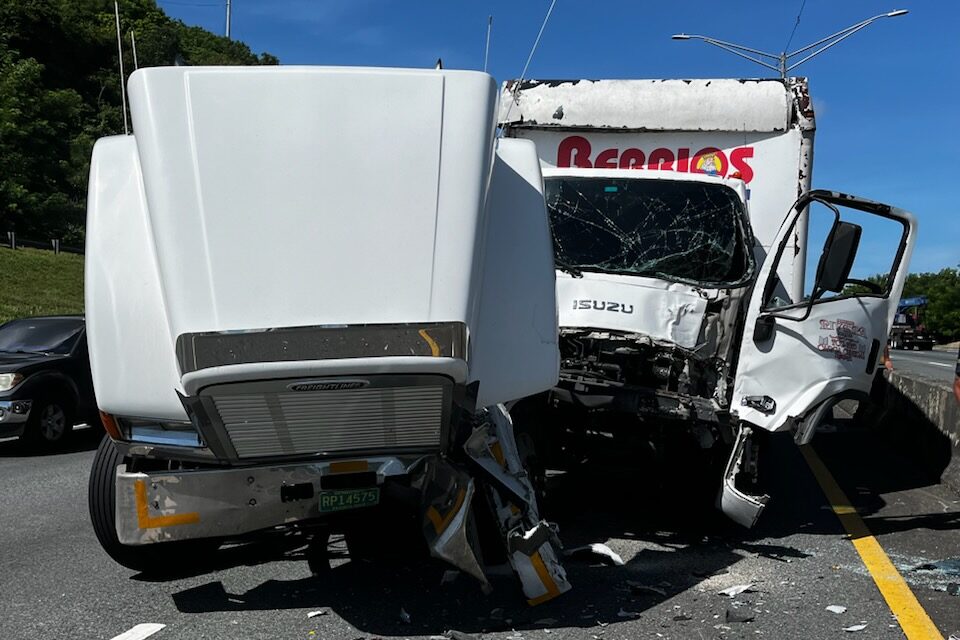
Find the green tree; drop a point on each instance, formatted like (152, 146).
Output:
(60, 91)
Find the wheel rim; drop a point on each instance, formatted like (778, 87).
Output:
(53, 422)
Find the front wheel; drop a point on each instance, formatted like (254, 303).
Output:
(51, 421)
(164, 558)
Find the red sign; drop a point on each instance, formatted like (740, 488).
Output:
(576, 151)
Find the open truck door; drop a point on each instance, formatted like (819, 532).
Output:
(799, 357)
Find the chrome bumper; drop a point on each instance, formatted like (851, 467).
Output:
(183, 505)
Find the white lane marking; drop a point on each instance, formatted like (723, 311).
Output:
(140, 631)
(939, 364)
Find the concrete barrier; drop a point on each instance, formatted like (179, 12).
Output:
(922, 420)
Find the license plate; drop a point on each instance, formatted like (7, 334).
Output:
(344, 499)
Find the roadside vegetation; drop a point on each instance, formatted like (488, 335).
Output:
(60, 91)
(942, 289)
(35, 283)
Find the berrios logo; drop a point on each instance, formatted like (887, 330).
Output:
(328, 385)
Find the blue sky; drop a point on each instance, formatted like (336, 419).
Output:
(887, 99)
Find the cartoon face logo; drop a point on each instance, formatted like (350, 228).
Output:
(709, 164)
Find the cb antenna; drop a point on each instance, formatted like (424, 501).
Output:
(123, 87)
(486, 49)
(133, 45)
(523, 74)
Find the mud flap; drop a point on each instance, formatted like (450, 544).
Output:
(741, 507)
(531, 542)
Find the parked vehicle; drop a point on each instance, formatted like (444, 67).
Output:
(908, 331)
(321, 299)
(692, 318)
(45, 385)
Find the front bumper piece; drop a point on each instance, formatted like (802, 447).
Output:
(183, 505)
(13, 416)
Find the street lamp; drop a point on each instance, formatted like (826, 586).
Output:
(783, 65)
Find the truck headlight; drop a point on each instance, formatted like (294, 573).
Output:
(9, 380)
(180, 434)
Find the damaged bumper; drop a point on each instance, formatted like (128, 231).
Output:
(184, 505)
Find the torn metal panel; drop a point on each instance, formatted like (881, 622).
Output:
(662, 311)
(447, 499)
(739, 506)
(649, 105)
(531, 542)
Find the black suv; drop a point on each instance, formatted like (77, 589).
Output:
(45, 383)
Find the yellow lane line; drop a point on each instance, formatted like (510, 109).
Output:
(914, 621)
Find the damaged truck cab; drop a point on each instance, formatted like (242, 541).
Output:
(691, 320)
(308, 292)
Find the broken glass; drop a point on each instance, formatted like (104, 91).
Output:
(670, 229)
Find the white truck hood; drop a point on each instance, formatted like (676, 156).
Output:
(661, 310)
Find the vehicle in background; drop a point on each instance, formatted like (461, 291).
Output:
(319, 304)
(692, 319)
(45, 384)
(908, 331)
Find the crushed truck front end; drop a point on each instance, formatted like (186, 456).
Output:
(285, 330)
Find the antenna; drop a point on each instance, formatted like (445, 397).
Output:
(228, 19)
(133, 45)
(123, 86)
(533, 49)
(486, 49)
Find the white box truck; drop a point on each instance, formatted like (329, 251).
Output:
(309, 291)
(690, 312)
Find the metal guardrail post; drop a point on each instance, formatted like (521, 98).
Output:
(56, 247)
(12, 238)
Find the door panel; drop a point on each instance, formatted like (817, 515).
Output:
(797, 354)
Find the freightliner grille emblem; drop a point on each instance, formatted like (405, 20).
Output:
(332, 385)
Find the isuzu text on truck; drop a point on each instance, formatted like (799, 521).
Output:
(308, 292)
(690, 316)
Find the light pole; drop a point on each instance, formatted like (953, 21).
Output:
(782, 60)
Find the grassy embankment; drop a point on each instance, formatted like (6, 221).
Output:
(35, 283)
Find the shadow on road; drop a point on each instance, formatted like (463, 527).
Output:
(679, 547)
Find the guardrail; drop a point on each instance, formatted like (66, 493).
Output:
(13, 241)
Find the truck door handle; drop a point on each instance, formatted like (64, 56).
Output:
(763, 404)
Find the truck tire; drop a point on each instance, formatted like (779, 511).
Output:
(164, 558)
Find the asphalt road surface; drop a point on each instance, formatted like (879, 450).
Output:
(933, 366)
(55, 582)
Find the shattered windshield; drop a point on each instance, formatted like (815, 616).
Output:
(671, 229)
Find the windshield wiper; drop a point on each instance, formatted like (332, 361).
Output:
(568, 268)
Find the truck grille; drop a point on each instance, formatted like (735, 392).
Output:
(332, 421)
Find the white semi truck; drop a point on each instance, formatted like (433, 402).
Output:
(308, 293)
(690, 313)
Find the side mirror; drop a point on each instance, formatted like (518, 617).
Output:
(839, 250)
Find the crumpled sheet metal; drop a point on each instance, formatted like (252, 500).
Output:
(448, 494)
(531, 541)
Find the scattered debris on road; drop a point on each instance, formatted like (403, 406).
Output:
(836, 608)
(856, 627)
(319, 612)
(595, 549)
(736, 590)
